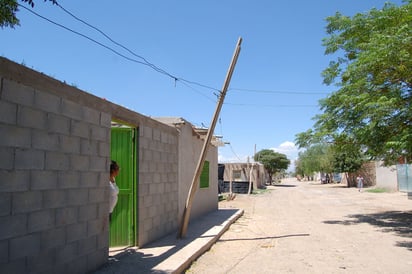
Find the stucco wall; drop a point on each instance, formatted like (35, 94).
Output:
(386, 177)
(55, 149)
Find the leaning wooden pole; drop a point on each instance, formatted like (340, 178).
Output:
(195, 181)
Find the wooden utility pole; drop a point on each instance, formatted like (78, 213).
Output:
(195, 181)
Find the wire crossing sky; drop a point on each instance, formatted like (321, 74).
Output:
(169, 58)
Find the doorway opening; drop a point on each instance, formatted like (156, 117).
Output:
(123, 150)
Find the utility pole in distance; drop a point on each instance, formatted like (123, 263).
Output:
(195, 181)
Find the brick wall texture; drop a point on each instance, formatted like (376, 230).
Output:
(55, 154)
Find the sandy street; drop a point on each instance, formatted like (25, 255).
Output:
(307, 227)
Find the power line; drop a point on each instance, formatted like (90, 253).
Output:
(118, 44)
(279, 92)
(270, 106)
(143, 62)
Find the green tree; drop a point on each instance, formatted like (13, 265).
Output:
(272, 161)
(8, 10)
(373, 73)
(316, 158)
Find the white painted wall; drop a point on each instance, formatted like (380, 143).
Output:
(386, 177)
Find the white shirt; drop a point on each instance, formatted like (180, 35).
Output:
(114, 192)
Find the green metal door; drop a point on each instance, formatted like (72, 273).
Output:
(123, 151)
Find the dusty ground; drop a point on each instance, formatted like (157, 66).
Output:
(304, 227)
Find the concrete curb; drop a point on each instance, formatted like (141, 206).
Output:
(180, 261)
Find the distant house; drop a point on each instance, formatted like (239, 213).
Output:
(242, 173)
(56, 143)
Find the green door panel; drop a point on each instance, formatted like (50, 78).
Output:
(123, 151)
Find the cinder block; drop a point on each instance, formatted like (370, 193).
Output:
(87, 212)
(54, 198)
(24, 202)
(53, 238)
(89, 147)
(28, 245)
(32, 118)
(5, 204)
(80, 129)
(56, 161)
(96, 195)
(41, 179)
(42, 262)
(79, 162)
(156, 134)
(69, 144)
(29, 159)
(99, 133)
(97, 259)
(76, 232)
(95, 227)
(72, 110)
(90, 179)
(7, 158)
(105, 119)
(66, 216)
(57, 123)
(8, 113)
(14, 266)
(45, 140)
(146, 132)
(103, 209)
(17, 93)
(47, 102)
(66, 253)
(98, 164)
(14, 180)
(104, 149)
(41, 220)
(78, 265)
(77, 196)
(69, 179)
(91, 115)
(88, 245)
(102, 241)
(4, 251)
(13, 136)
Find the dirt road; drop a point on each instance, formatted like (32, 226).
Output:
(301, 227)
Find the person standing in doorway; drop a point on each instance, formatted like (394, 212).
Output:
(359, 180)
(114, 189)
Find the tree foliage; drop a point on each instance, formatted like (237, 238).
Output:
(316, 158)
(272, 161)
(371, 110)
(8, 10)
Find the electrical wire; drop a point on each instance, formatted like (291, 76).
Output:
(234, 153)
(271, 106)
(279, 92)
(145, 62)
(116, 43)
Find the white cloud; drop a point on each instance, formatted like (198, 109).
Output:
(290, 150)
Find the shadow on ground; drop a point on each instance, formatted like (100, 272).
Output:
(143, 260)
(398, 222)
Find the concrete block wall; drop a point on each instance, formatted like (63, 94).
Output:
(53, 182)
(158, 182)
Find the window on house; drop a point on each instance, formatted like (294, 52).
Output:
(237, 175)
(204, 177)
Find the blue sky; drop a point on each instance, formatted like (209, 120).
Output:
(275, 87)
